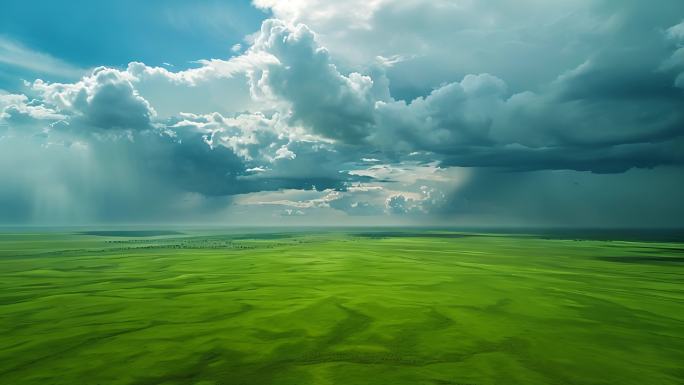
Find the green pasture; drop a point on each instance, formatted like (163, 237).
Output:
(338, 307)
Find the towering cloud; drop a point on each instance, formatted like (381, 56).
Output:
(303, 75)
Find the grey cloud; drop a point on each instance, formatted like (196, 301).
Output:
(317, 166)
(551, 130)
(527, 43)
(401, 205)
(355, 207)
(602, 160)
(429, 201)
(564, 86)
(333, 105)
(26, 116)
(455, 114)
(675, 63)
(398, 204)
(186, 167)
(634, 199)
(190, 164)
(113, 104)
(608, 114)
(105, 100)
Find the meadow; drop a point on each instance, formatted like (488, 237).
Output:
(347, 307)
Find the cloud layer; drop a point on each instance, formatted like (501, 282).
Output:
(382, 111)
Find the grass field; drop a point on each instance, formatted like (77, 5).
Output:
(343, 307)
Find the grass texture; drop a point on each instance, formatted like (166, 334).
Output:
(339, 307)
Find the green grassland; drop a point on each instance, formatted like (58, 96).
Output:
(338, 307)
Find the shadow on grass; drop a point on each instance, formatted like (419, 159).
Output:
(644, 259)
(130, 233)
(401, 234)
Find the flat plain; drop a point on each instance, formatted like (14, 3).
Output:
(339, 307)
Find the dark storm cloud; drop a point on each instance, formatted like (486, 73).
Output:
(617, 110)
(117, 164)
(189, 164)
(599, 159)
(309, 166)
(637, 198)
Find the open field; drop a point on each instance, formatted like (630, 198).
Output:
(345, 307)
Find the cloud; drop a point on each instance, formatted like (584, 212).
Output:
(637, 198)
(137, 164)
(407, 108)
(422, 203)
(331, 104)
(453, 39)
(19, 105)
(457, 113)
(13, 53)
(106, 99)
(399, 204)
(461, 122)
(676, 32)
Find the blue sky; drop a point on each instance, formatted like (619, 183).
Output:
(363, 112)
(87, 34)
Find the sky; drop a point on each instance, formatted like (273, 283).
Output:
(364, 112)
